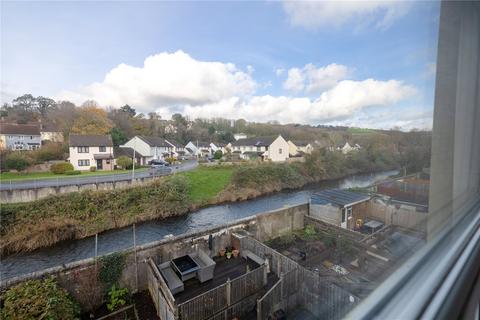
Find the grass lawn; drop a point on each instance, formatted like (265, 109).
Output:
(205, 183)
(50, 175)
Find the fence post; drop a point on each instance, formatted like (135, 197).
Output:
(229, 289)
(265, 275)
(136, 262)
(96, 251)
(259, 309)
(281, 286)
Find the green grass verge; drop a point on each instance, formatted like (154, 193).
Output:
(207, 182)
(50, 175)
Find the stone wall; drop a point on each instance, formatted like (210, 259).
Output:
(27, 195)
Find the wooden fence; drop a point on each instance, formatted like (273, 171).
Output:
(283, 295)
(278, 263)
(161, 295)
(221, 298)
(322, 297)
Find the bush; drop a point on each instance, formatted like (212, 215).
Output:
(73, 172)
(218, 155)
(111, 269)
(50, 151)
(17, 161)
(124, 162)
(39, 299)
(93, 169)
(309, 232)
(61, 168)
(118, 298)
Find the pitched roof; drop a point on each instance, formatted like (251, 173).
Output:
(90, 140)
(175, 143)
(300, 143)
(14, 128)
(155, 141)
(125, 151)
(337, 197)
(255, 141)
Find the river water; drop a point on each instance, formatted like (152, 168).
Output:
(119, 239)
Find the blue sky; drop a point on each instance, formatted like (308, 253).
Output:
(383, 50)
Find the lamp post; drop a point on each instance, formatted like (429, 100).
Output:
(133, 160)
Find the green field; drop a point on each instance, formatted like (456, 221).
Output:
(205, 183)
(50, 175)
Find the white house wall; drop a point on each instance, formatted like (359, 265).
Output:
(278, 150)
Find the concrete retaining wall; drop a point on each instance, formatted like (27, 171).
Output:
(27, 195)
(78, 277)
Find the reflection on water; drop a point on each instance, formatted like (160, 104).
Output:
(119, 239)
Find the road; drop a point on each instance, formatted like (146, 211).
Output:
(76, 180)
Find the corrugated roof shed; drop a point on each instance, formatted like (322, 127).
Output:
(337, 197)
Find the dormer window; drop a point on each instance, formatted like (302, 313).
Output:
(102, 149)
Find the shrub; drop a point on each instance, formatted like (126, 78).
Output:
(118, 298)
(309, 232)
(39, 299)
(111, 269)
(50, 151)
(17, 161)
(61, 167)
(124, 162)
(170, 160)
(73, 172)
(93, 169)
(218, 155)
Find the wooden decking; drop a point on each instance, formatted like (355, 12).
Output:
(224, 269)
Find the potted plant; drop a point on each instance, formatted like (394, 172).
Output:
(235, 253)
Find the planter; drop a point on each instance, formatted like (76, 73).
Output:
(222, 252)
(235, 253)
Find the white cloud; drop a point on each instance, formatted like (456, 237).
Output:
(279, 72)
(340, 102)
(170, 83)
(167, 79)
(313, 79)
(315, 15)
(295, 81)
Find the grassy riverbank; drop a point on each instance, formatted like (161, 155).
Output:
(28, 226)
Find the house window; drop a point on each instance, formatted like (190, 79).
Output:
(102, 149)
(84, 163)
(280, 151)
(82, 149)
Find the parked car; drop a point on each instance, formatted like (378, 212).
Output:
(156, 163)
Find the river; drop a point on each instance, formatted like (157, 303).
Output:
(119, 239)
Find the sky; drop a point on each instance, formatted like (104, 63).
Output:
(356, 63)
